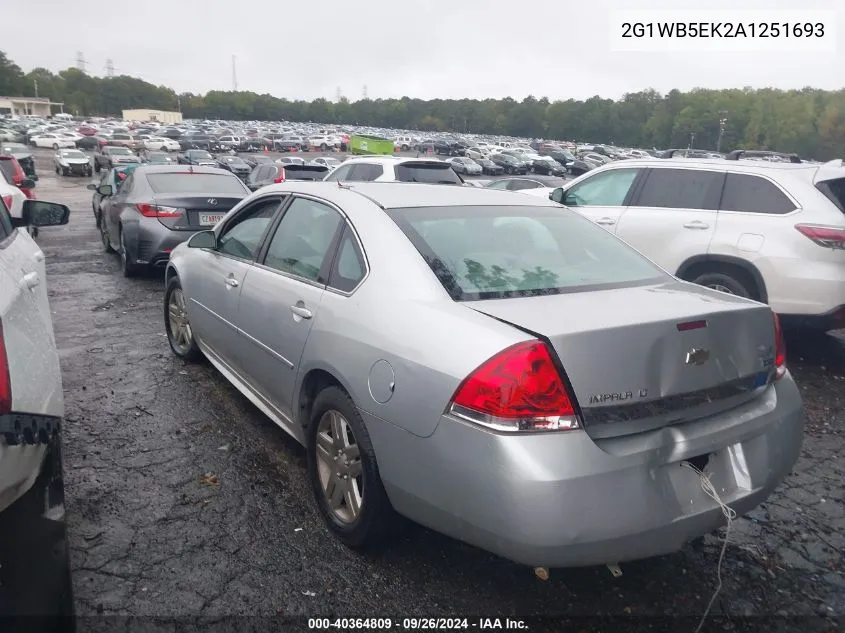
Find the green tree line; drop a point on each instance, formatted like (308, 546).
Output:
(809, 122)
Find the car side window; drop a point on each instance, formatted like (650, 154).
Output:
(341, 173)
(243, 235)
(6, 228)
(127, 185)
(303, 239)
(365, 172)
(753, 194)
(519, 185)
(607, 189)
(681, 189)
(348, 267)
(499, 184)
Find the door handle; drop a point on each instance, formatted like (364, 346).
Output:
(30, 280)
(606, 221)
(231, 281)
(696, 224)
(301, 311)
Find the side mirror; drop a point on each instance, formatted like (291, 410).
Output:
(92, 186)
(28, 183)
(40, 213)
(557, 195)
(203, 239)
(105, 190)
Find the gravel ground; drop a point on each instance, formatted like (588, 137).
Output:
(183, 499)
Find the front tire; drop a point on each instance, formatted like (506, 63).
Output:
(724, 282)
(97, 167)
(343, 472)
(55, 146)
(180, 335)
(128, 267)
(104, 234)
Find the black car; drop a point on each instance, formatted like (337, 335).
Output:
(564, 157)
(197, 141)
(159, 158)
(254, 144)
(578, 167)
(450, 147)
(234, 164)
(90, 142)
(489, 168)
(197, 157)
(274, 173)
(171, 132)
(257, 159)
(549, 167)
(510, 164)
(287, 145)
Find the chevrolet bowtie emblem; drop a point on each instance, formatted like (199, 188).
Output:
(697, 356)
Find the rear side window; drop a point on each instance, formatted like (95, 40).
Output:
(427, 172)
(8, 169)
(519, 251)
(753, 194)
(681, 189)
(834, 190)
(5, 222)
(348, 268)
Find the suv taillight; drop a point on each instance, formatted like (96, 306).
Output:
(5, 378)
(158, 211)
(780, 349)
(280, 177)
(518, 389)
(827, 236)
(7, 200)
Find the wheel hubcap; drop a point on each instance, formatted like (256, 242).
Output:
(180, 328)
(339, 466)
(721, 288)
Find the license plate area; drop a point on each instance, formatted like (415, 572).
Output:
(210, 219)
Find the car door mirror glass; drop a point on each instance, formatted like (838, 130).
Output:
(105, 190)
(558, 195)
(40, 213)
(203, 239)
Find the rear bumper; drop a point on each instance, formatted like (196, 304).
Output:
(833, 320)
(565, 500)
(154, 242)
(24, 442)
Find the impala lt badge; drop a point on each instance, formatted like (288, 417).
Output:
(697, 356)
(212, 202)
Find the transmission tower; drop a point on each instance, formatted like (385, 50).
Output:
(80, 61)
(364, 93)
(338, 95)
(234, 76)
(109, 68)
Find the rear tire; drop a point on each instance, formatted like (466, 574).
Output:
(727, 283)
(129, 268)
(104, 234)
(180, 335)
(334, 410)
(55, 146)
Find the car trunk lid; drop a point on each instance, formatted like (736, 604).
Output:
(646, 357)
(200, 211)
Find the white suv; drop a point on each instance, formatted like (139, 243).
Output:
(31, 402)
(772, 232)
(386, 168)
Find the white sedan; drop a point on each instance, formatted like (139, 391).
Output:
(55, 141)
(161, 143)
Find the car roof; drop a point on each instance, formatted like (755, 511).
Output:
(728, 165)
(394, 195)
(392, 160)
(183, 169)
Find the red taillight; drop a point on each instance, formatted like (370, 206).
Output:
(7, 200)
(5, 378)
(281, 176)
(519, 389)
(158, 211)
(827, 236)
(780, 349)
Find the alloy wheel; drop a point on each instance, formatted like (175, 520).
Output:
(181, 335)
(339, 467)
(721, 288)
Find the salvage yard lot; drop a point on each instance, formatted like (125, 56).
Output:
(183, 499)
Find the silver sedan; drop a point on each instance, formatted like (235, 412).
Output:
(498, 369)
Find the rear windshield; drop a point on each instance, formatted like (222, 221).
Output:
(185, 182)
(427, 172)
(305, 172)
(503, 252)
(835, 191)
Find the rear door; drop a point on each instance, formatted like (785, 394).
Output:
(282, 294)
(602, 197)
(672, 215)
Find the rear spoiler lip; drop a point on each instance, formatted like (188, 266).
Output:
(826, 169)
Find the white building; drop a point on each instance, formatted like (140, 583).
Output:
(27, 106)
(146, 116)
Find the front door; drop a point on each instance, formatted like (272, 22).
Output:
(602, 197)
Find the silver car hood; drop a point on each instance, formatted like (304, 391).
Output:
(630, 365)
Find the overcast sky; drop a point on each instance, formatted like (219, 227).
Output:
(420, 48)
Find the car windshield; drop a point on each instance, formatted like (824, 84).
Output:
(73, 154)
(503, 252)
(198, 155)
(120, 151)
(186, 182)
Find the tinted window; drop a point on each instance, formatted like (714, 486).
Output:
(242, 236)
(498, 184)
(348, 268)
(681, 189)
(303, 239)
(201, 184)
(835, 191)
(744, 192)
(5, 221)
(427, 172)
(501, 252)
(341, 173)
(8, 170)
(365, 172)
(608, 189)
(518, 185)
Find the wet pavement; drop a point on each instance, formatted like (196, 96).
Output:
(183, 499)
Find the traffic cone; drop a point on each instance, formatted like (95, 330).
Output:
(266, 151)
